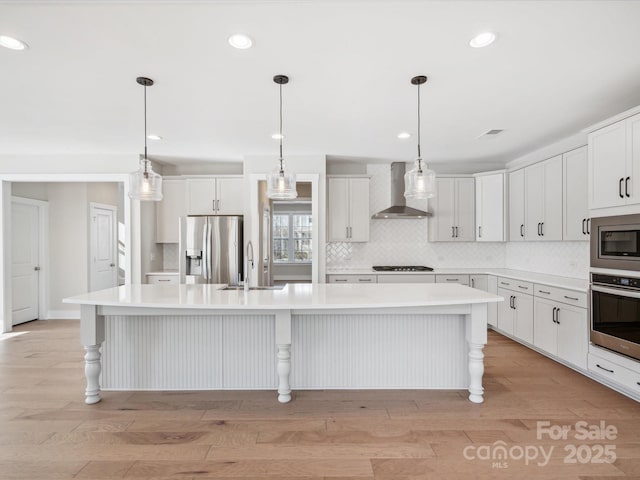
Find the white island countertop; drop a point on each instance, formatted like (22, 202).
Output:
(292, 296)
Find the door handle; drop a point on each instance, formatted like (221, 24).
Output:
(602, 368)
(456, 232)
(538, 229)
(346, 232)
(453, 232)
(542, 229)
(584, 223)
(620, 188)
(218, 205)
(111, 265)
(522, 230)
(213, 205)
(626, 186)
(588, 226)
(558, 316)
(510, 301)
(37, 269)
(553, 315)
(515, 306)
(479, 231)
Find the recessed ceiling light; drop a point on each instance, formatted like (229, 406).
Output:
(277, 136)
(12, 43)
(240, 41)
(404, 135)
(154, 137)
(482, 39)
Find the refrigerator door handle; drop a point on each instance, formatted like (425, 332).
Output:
(205, 251)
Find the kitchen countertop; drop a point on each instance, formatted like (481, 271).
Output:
(292, 296)
(569, 283)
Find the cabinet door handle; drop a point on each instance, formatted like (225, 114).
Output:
(346, 232)
(588, 226)
(538, 229)
(558, 316)
(584, 222)
(571, 298)
(542, 291)
(523, 288)
(218, 205)
(456, 232)
(164, 280)
(620, 188)
(479, 231)
(602, 368)
(505, 283)
(340, 280)
(364, 279)
(511, 301)
(453, 232)
(213, 205)
(542, 229)
(452, 279)
(553, 315)
(626, 186)
(522, 230)
(515, 306)
(473, 283)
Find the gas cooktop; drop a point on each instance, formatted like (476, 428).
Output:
(408, 268)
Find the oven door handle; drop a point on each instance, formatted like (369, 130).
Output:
(621, 292)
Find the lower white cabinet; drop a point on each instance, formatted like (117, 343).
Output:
(562, 330)
(515, 314)
(352, 279)
(407, 278)
(487, 283)
(162, 278)
(461, 279)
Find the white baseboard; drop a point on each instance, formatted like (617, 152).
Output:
(62, 315)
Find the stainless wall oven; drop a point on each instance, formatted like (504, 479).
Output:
(615, 313)
(615, 242)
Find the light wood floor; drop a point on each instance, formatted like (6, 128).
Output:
(47, 432)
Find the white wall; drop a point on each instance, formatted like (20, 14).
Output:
(150, 251)
(68, 234)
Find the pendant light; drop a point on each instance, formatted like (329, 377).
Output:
(419, 183)
(281, 185)
(145, 184)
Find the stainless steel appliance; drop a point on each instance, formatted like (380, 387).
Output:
(615, 313)
(408, 268)
(211, 249)
(615, 242)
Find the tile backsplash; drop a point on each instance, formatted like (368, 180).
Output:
(404, 242)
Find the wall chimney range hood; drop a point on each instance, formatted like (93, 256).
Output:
(398, 208)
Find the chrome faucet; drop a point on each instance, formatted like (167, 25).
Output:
(249, 253)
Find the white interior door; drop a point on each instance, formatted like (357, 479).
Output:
(25, 265)
(102, 247)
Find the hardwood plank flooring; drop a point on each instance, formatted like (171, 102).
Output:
(47, 432)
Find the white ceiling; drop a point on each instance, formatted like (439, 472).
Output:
(556, 67)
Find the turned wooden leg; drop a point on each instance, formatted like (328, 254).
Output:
(284, 369)
(92, 367)
(476, 370)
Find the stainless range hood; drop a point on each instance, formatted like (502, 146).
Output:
(398, 208)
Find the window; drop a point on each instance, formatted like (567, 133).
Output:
(292, 237)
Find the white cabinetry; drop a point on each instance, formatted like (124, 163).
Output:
(352, 279)
(515, 314)
(407, 278)
(169, 210)
(348, 209)
(516, 205)
(216, 196)
(543, 198)
(460, 279)
(487, 283)
(490, 208)
(162, 278)
(575, 196)
(453, 210)
(614, 161)
(562, 330)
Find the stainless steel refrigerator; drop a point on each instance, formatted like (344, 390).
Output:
(211, 249)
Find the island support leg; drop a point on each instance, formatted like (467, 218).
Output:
(92, 336)
(283, 342)
(476, 333)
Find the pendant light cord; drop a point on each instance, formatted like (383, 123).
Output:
(145, 130)
(419, 155)
(281, 159)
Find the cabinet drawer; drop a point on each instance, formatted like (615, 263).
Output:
(614, 372)
(515, 285)
(461, 279)
(407, 278)
(352, 279)
(162, 279)
(579, 299)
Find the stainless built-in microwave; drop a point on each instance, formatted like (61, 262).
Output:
(615, 242)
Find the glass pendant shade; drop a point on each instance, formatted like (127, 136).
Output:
(145, 184)
(281, 185)
(419, 182)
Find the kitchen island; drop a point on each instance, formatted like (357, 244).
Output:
(203, 337)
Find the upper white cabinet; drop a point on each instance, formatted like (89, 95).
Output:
(490, 208)
(543, 200)
(575, 196)
(216, 195)
(348, 209)
(453, 210)
(614, 159)
(516, 205)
